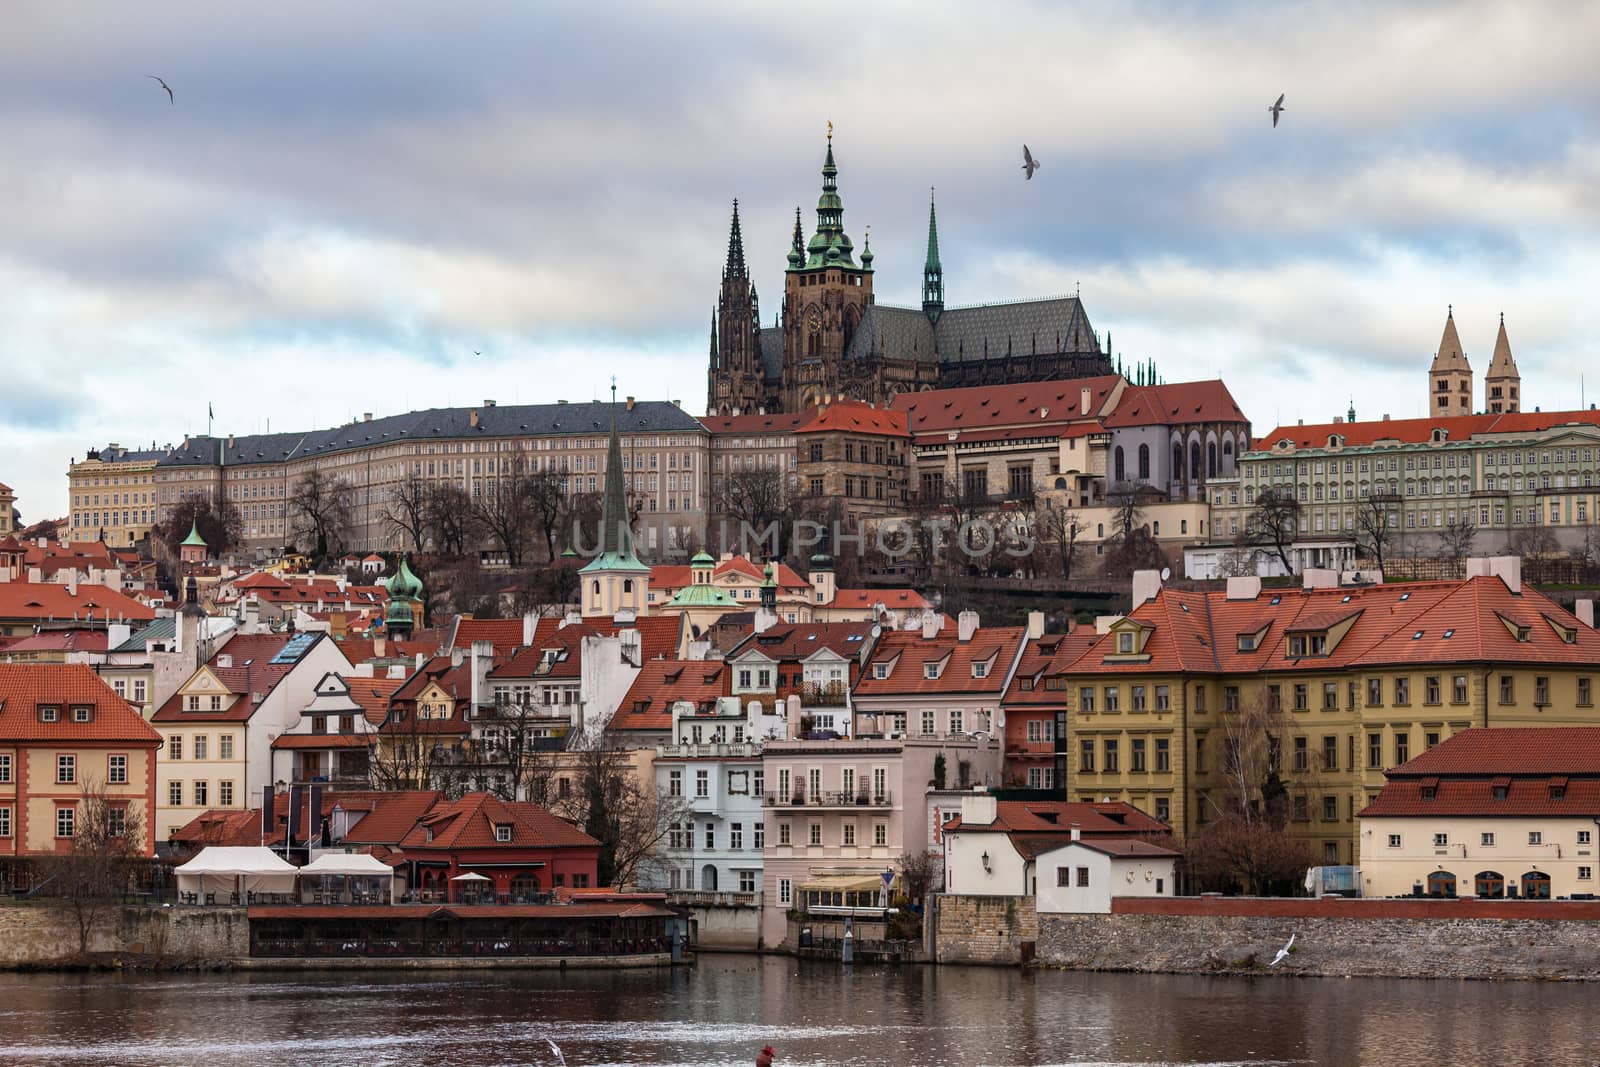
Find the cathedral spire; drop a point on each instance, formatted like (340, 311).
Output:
(830, 247)
(797, 249)
(614, 550)
(735, 267)
(932, 272)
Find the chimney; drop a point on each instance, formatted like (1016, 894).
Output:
(1035, 625)
(363, 670)
(630, 404)
(488, 403)
(1077, 832)
(72, 583)
(931, 624)
(628, 641)
(472, 419)
(571, 618)
(482, 660)
(379, 644)
(966, 626)
(397, 670)
(1247, 588)
(458, 656)
(366, 416)
(1319, 578)
(1085, 398)
(1584, 609)
(224, 660)
(979, 810)
(530, 626)
(1386, 416)
(1146, 584)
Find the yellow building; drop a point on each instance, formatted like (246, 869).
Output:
(8, 502)
(1190, 703)
(113, 496)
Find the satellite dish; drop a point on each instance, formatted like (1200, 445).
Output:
(1166, 573)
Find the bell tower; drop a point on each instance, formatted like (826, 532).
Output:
(1450, 376)
(825, 294)
(1502, 386)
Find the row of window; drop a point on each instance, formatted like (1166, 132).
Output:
(202, 746)
(201, 792)
(740, 783)
(847, 834)
(1300, 693)
(67, 821)
(67, 769)
(681, 836)
(1486, 839)
(850, 785)
(1139, 749)
(1256, 470)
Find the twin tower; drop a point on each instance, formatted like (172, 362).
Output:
(1450, 377)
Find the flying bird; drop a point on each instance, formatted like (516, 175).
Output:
(1277, 109)
(164, 85)
(1029, 164)
(557, 1050)
(1283, 953)
(476, 352)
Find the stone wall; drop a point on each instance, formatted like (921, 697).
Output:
(45, 933)
(972, 929)
(1394, 939)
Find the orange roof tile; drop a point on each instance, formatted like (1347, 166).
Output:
(660, 685)
(42, 601)
(909, 652)
(470, 823)
(25, 687)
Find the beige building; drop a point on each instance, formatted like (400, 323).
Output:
(8, 503)
(113, 495)
(1488, 813)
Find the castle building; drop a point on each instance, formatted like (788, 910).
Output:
(833, 340)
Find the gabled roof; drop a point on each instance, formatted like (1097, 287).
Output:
(257, 663)
(996, 645)
(663, 683)
(852, 416)
(1041, 657)
(469, 823)
(373, 695)
(1509, 750)
(866, 599)
(51, 601)
(1055, 818)
(563, 645)
(1121, 847)
(24, 687)
(504, 634)
(1175, 404)
(793, 641)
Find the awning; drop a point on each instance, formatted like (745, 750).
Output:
(845, 883)
(470, 876)
(231, 860)
(355, 863)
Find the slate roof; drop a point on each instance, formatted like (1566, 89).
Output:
(769, 339)
(1015, 328)
(434, 424)
(25, 686)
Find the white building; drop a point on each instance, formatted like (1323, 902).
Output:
(1083, 875)
(711, 774)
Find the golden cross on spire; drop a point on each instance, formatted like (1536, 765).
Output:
(830, 129)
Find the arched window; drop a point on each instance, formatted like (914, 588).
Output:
(1489, 884)
(1177, 462)
(1144, 463)
(595, 587)
(1061, 483)
(627, 585)
(1194, 461)
(1211, 459)
(1227, 446)
(1441, 884)
(1536, 885)
(1119, 471)
(523, 887)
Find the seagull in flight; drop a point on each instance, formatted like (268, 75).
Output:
(164, 85)
(477, 353)
(1277, 109)
(1283, 953)
(557, 1050)
(1029, 164)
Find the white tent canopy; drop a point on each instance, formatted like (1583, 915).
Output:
(228, 869)
(356, 863)
(470, 876)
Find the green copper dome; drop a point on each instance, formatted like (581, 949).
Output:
(702, 596)
(404, 584)
(702, 558)
(194, 537)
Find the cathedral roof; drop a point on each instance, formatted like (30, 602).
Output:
(770, 342)
(963, 334)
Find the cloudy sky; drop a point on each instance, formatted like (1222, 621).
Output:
(349, 199)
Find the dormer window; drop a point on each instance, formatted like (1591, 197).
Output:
(930, 670)
(880, 671)
(1125, 643)
(980, 670)
(82, 714)
(1247, 642)
(1307, 644)
(502, 833)
(49, 713)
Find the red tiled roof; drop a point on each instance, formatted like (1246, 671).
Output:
(852, 416)
(981, 407)
(865, 599)
(661, 684)
(1420, 431)
(40, 601)
(795, 641)
(1055, 817)
(470, 823)
(550, 636)
(298, 742)
(755, 424)
(24, 687)
(62, 641)
(995, 645)
(1179, 402)
(1579, 798)
(260, 676)
(373, 695)
(1398, 622)
(596, 910)
(1542, 750)
(1044, 656)
(504, 634)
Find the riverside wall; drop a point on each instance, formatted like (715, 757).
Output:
(42, 934)
(1407, 938)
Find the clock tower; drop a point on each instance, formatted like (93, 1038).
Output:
(825, 295)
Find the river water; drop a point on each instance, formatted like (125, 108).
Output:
(723, 1010)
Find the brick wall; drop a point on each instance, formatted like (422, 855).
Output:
(971, 929)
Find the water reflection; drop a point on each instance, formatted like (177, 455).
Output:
(722, 1011)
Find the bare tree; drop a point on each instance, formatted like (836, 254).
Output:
(93, 875)
(1376, 530)
(407, 752)
(216, 519)
(406, 512)
(917, 871)
(1274, 521)
(320, 512)
(1455, 541)
(1532, 541)
(505, 512)
(1057, 526)
(547, 505)
(1232, 852)
(451, 522)
(1588, 553)
(612, 805)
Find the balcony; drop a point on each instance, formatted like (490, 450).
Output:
(800, 799)
(711, 750)
(711, 898)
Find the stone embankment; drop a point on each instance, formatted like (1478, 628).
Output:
(1467, 939)
(46, 935)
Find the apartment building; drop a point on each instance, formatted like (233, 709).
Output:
(113, 495)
